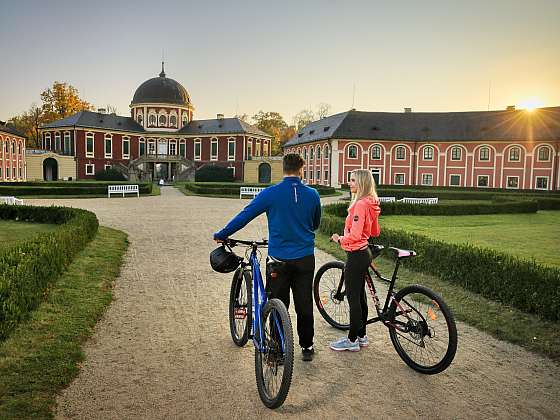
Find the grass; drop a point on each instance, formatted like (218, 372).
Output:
(500, 321)
(527, 236)
(12, 232)
(41, 356)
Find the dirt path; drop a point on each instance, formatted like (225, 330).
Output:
(163, 348)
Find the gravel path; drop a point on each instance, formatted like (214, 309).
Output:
(163, 350)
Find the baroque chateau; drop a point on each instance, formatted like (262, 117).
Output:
(160, 140)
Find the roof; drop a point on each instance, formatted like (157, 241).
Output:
(90, 119)
(161, 89)
(541, 124)
(10, 129)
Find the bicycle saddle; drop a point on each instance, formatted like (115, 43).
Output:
(403, 253)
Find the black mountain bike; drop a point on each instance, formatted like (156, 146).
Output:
(420, 323)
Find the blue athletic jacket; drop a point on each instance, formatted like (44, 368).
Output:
(294, 213)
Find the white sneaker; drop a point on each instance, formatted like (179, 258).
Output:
(345, 344)
(363, 341)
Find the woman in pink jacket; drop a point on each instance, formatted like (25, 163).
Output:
(361, 224)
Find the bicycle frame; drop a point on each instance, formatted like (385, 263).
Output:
(259, 299)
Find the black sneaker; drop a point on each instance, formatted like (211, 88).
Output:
(307, 354)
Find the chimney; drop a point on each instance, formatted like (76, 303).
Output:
(101, 110)
(510, 108)
(407, 110)
(220, 116)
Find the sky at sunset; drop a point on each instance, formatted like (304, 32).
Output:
(285, 56)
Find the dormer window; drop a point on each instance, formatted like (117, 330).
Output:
(162, 120)
(173, 121)
(312, 132)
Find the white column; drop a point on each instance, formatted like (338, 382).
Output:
(334, 164)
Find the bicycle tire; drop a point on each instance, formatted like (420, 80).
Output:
(275, 361)
(325, 284)
(423, 307)
(240, 307)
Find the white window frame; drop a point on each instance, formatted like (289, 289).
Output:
(431, 179)
(152, 147)
(312, 153)
(69, 138)
(107, 166)
(141, 142)
(431, 154)
(126, 139)
(326, 175)
(350, 146)
(403, 179)
(184, 144)
(537, 182)
(90, 166)
(159, 124)
(348, 176)
(511, 151)
(171, 124)
(539, 154)
(376, 147)
(507, 182)
(487, 149)
(305, 153)
(197, 142)
(110, 138)
(149, 123)
(318, 153)
(47, 138)
(172, 147)
(231, 156)
(57, 142)
(460, 154)
(453, 185)
(397, 149)
(91, 136)
(214, 141)
(487, 181)
(249, 148)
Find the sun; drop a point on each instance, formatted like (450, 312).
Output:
(530, 104)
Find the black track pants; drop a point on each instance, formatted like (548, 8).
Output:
(297, 275)
(355, 270)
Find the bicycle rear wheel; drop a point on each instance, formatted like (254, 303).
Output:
(240, 307)
(274, 366)
(423, 329)
(332, 305)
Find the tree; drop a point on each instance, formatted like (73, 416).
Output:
(28, 123)
(62, 100)
(323, 110)
(303, 117)
(273, 124)
(242, 117)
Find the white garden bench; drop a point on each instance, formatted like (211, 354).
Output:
(387, 199)
(250, 191)
(123, 189)
(11, 200)
(433, 200)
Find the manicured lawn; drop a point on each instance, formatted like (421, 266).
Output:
(12, 232)
(42, 355)
(528, 236)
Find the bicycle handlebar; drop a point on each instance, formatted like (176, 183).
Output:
(233, 242)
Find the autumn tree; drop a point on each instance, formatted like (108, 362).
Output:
(62, 100)
(28, 124)
(306, 116)
(273, 124)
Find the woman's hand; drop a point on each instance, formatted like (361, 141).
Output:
(335, 237)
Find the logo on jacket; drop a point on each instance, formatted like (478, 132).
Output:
(356, 218)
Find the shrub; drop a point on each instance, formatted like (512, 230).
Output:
(67, 188)
(109, 174)
(30, 267)
(233, 188)
(526, 285)
(213, 173)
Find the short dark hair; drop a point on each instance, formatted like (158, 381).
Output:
(292, 163)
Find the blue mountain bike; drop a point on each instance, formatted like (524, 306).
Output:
(266, 321)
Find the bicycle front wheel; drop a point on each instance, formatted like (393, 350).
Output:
(240, 307)
(332, 304)
(422, 329)
(274, 365)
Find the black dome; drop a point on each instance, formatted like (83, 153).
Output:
(161, 90)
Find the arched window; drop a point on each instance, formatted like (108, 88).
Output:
(456, 153)
(139, 118)
(47, 141)
(544, 154)
(311, 153)
(185, 119)
(318, 152)
(152, 120)
(173, 121)
(376, 152)
(353, 151)
(162, 120)
(514, 154)
(428, 153)
(484, 153)
(305, 153)
(400, 153)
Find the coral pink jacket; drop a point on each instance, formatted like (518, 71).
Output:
(361, 223)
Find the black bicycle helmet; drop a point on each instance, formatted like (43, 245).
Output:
(224, 260)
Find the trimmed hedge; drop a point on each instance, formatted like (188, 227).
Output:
(526, 285)
(28, 268)
(109, 174)
(444, 209)
(233, 188)
(75, 188)
(213, 173)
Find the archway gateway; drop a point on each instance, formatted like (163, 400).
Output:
(50, 169)
(264, 173)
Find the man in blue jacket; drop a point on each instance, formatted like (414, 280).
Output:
(294, 213)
